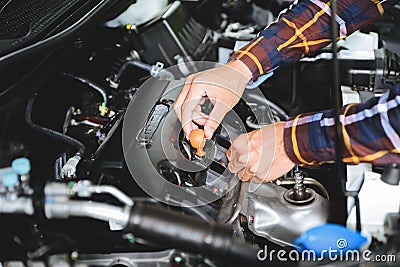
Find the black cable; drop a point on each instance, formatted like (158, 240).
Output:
(132, 62)
(358, 212)
(336, 93)
(54, 134)
(89, 83)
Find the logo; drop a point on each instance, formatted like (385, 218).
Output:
(341, 243)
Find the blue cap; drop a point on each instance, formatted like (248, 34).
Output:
(330, 237)
(21, 166)
(9, 178)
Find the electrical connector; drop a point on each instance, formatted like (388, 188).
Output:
(69, 169)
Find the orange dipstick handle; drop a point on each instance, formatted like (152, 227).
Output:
(197, 139)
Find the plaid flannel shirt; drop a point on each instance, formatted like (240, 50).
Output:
(370, 130)
(370, 133)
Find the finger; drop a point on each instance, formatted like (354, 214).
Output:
(182, 95)
(202, 101)
(232, 155)
(254, 163)
(244, 175)
(237, 163)
(199, 108)
(215, 118)
(188, 107)
(238, 153)
(233, 168)
(229, 153)
(198, 116)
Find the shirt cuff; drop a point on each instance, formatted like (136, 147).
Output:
(254, 84)
(260, 56)
(306, 142)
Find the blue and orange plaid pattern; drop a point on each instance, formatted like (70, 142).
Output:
(370, 130)
(304, 28)
(370, 133)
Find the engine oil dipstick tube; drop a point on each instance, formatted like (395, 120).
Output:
(299, 194)
(299, 190)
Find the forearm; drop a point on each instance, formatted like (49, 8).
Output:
(370, 133)
(304, 28)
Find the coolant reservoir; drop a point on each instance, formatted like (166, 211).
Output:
(141, 12)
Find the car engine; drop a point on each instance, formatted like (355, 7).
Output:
(95, 169)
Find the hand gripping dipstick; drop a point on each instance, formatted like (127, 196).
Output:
(197, 139)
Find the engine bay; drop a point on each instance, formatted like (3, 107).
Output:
(95, 169)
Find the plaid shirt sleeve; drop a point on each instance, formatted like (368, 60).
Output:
(370, 133)
(304, 28)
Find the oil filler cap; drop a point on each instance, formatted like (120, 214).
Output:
(330, 240)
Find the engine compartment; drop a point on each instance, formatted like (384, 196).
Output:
(110, 179)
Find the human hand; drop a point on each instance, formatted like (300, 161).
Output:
(223, 86)
(260, 155)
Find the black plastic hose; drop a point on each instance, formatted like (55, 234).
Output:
(190, 234)
(136, 63)
(54, 134)
(91, 84)
(154, 71)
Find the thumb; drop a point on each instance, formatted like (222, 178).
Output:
(215, 118)
(229, 153)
